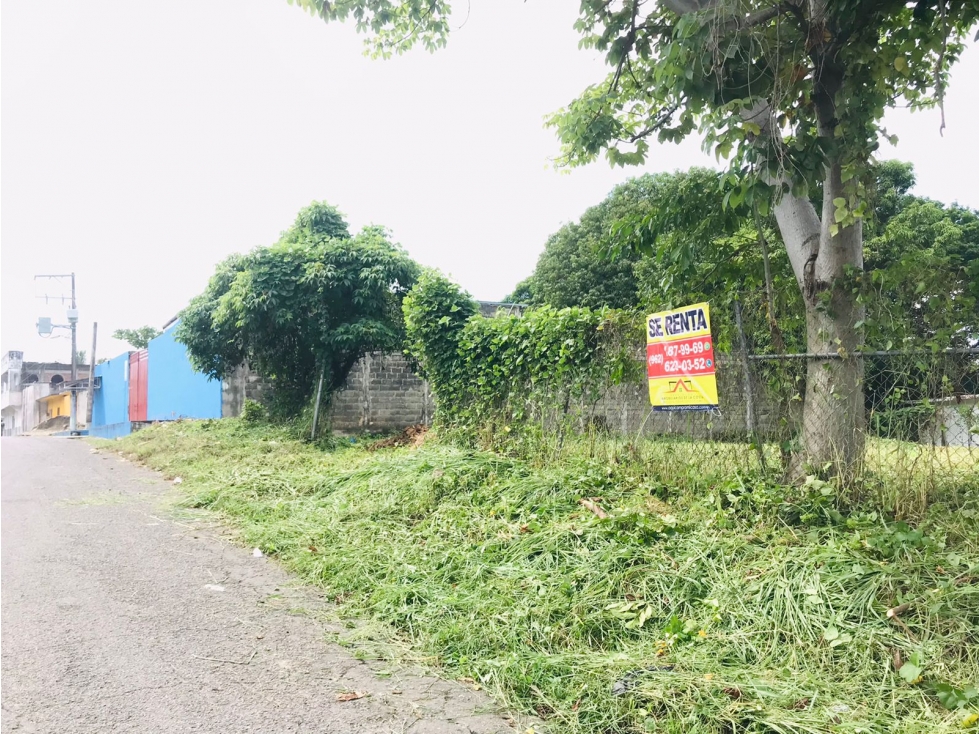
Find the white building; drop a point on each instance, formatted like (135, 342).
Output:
(955, 423)
(32, 392)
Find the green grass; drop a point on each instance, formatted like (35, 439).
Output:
(726, 603)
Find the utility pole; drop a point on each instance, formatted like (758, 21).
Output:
(73, 390)
(91, 377)
(73, 325)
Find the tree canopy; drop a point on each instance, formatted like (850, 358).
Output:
(922, 259)
(136, 338)
(312, 304)
(575, 269)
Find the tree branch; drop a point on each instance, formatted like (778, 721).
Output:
(763, 16)
(682, 7)
(796, 216)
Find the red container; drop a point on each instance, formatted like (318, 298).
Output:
(139, 363)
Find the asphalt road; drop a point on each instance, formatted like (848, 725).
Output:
(120, 616)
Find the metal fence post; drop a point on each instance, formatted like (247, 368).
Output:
(751, 416)
(316, 409)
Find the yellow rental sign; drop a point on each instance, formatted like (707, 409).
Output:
(680, 359)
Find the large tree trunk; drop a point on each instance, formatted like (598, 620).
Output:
(833, 419)
(833, 422)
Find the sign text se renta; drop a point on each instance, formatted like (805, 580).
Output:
(680, 359)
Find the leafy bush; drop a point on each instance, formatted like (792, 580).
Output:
(310, 305)
(503, 374)
(254, 412)
(436, 311)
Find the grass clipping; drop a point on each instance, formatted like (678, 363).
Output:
(699, 606)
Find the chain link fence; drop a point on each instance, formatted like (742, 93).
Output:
(915, 422)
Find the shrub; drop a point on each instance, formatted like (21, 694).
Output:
(508, 373)
(254, 412)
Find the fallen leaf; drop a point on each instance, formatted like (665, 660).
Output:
(593, 507)
(897, 611)
(896, 660)
(351, 695)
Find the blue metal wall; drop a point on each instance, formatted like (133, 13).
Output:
(110, 404)
(175, 390)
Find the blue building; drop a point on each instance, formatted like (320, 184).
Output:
(155, 384)
(175, 390)
(110, 404)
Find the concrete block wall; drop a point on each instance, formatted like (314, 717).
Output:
(382, 393)
(241, 386)
(625, 409)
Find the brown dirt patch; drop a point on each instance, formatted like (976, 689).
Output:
(410, 436)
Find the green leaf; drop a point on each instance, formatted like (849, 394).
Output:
(910, 672)
(954, 698)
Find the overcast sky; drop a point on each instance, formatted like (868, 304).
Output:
(144, 142)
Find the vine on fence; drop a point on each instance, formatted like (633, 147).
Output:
(510, 374)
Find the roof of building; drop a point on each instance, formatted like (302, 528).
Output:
(36, 366)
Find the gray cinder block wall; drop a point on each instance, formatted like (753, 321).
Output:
(241, 386)
(382, 394)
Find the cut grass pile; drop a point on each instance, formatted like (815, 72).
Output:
(712, 604)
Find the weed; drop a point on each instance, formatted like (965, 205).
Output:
(718, 602)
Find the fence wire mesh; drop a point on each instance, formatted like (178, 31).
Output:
(915, 422)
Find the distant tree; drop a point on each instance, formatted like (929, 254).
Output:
(136, 338)
(924, 270)
(893, 180)
(312, 304)
(922, 259)
(523, 292)
(577, 267)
